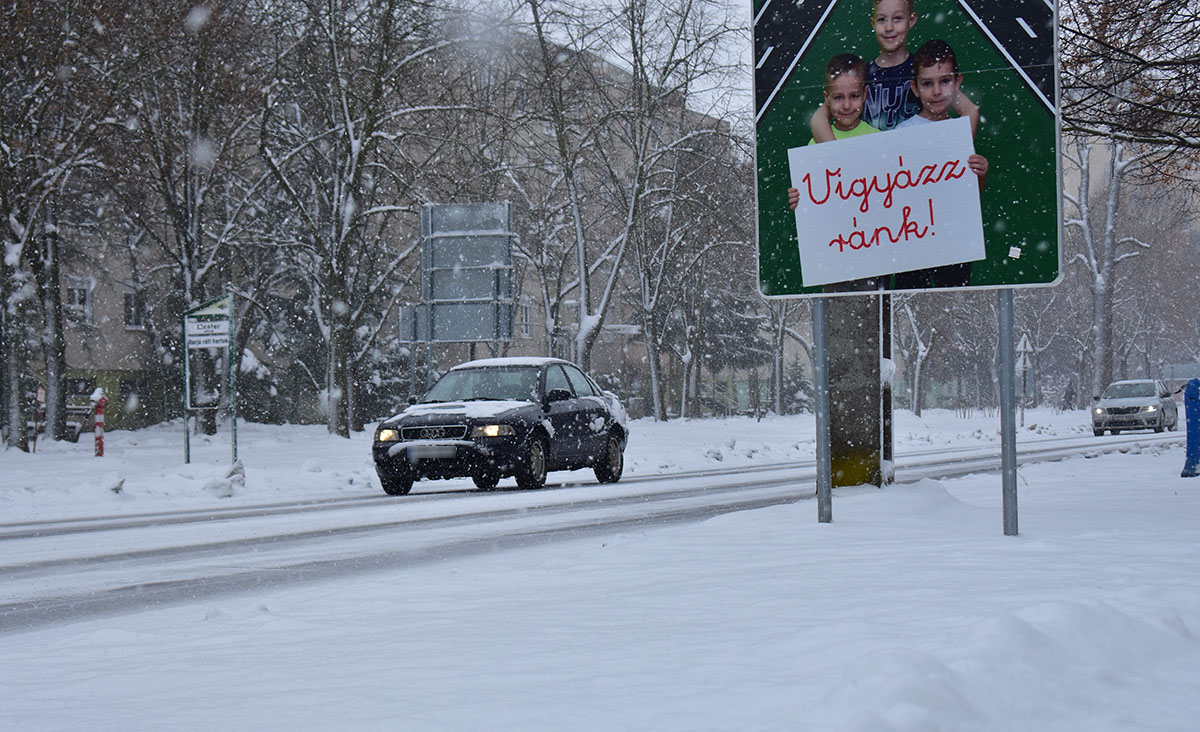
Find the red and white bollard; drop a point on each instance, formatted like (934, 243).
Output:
(99, 422)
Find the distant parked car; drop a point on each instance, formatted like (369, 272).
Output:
(499, 417)
(1135, 404)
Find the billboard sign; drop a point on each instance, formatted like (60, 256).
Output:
(466, 275)
(905, 208)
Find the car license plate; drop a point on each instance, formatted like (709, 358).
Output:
(424, 452)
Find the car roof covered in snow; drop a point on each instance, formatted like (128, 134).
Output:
(508, 361)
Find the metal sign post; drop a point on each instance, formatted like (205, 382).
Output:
(1008, 429)
(39, 410)
(821, 393)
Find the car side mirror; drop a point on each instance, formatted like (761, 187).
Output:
(413, 399)
(556, 395)
(1096, 398)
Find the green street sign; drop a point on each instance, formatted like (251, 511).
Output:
(1007, 54)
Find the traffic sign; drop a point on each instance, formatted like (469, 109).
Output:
(1007, 53)
(205, 326)
(466, 275)
(212, 333)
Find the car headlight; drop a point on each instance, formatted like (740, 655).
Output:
(493, 430)
(387, 435)
(1099, 411)
(1151, 408)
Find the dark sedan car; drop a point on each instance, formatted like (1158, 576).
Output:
(500, 417)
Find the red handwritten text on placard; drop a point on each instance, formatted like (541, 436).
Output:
(862, 188)
(909, 229)
(867, 206)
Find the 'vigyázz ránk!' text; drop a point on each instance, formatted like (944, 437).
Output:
(862, 189)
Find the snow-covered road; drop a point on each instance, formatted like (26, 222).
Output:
(62, 570)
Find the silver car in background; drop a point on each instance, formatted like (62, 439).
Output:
(1134, 404)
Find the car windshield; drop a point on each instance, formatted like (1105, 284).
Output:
(1122, 390)
(515, 383)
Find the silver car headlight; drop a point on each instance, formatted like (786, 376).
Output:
(387, 435)
(1151, 408)
(1099, 411)
(493, 430)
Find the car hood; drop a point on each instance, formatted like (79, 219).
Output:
(1127, 401)
(466, 410)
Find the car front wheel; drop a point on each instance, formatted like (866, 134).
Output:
(396, 485)
(612, 462)
(1162, 424)
(486, 481)
(531, 474)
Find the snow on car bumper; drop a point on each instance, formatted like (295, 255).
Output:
(1141, 420)
(445, 458)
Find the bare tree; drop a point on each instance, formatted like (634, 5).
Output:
(347, 91)
(61, 80)
(1131, 81)
(915, 340)
(1131, 72)
(780, 313)
(1046, 321)
(1104, 248)
(567, 76)
(190, 184)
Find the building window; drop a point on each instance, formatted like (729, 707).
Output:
(77, 301)
(525, 317)
(81, 387)
(131, 392)
(134, 309)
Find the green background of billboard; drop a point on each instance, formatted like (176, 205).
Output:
(1018, 135)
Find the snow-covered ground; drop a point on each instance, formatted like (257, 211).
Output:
(911, 611)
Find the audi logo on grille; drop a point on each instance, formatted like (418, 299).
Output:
(432, 433)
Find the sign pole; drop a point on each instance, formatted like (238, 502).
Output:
(233, 411)
(821, 392)
(1008, 429)
(39, 409)
(1024, 386)
(187, 384)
